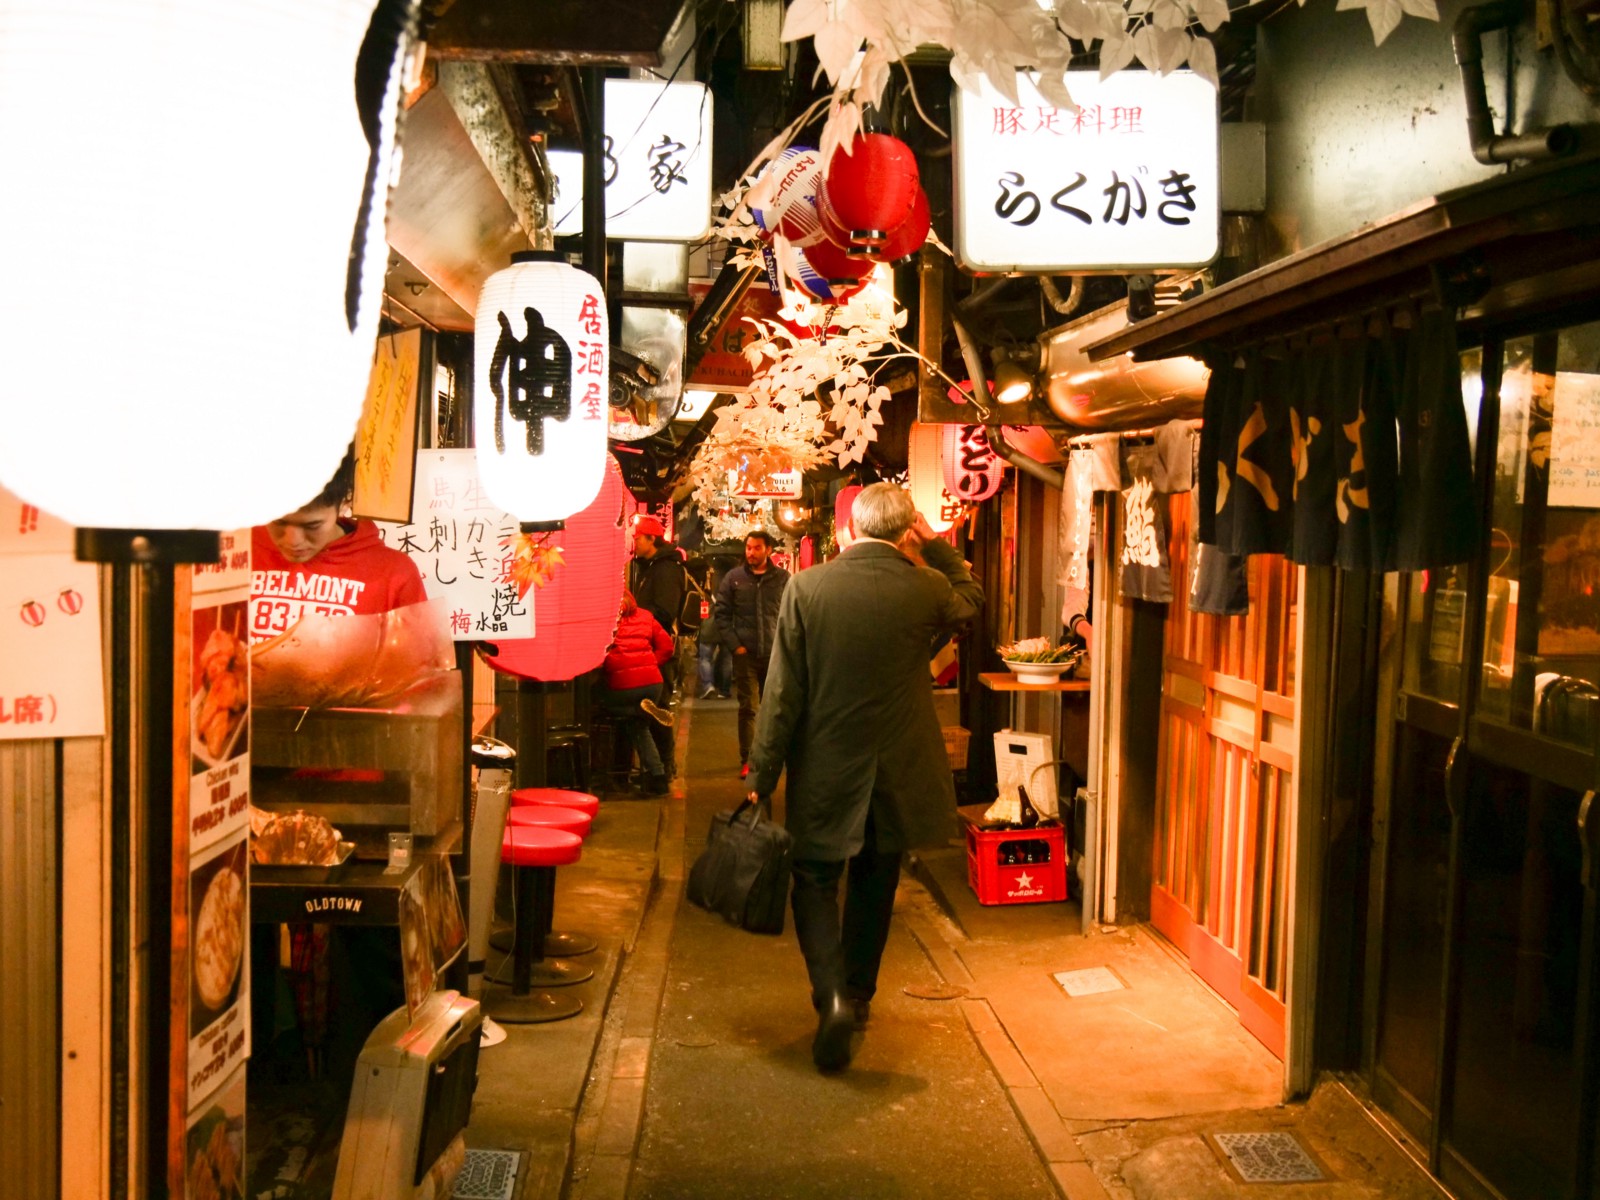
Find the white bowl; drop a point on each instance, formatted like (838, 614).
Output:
(1037, 672)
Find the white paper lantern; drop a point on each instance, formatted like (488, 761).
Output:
(972, 470)
(926, 470)
(180, 348)
(541, 382)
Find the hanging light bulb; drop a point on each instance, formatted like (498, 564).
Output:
(1011, 383)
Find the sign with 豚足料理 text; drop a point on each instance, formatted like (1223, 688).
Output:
(656, 164)
(1128, 181)
(462, 543)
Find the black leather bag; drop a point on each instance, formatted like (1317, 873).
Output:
(743, 873)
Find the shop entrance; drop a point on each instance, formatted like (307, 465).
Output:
(1225, 786)
(1482, 1036)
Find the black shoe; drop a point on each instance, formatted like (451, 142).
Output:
(861, 1009)
(657, 786)
(830, 1049)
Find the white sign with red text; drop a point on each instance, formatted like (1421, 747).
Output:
(51, 684)
(1130, 180)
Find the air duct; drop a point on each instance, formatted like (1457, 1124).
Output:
(1117, 393)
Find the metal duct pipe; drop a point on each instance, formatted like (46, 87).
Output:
(1488, 147)
(1052, 294)
(984, 402)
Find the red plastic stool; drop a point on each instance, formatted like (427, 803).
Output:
(534, 854)
(558, 943)
(560, 797)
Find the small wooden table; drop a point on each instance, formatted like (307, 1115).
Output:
(1005, 681)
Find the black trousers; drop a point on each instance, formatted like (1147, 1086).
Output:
(845, 956)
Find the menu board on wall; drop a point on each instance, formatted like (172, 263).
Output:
(1575, 442)
(462, 543)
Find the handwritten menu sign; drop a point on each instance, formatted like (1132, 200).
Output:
(1575, 442)
(462, 541)
(386, 438)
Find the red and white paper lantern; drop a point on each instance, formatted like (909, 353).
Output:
(925, 462)
(542, 376)
(575, 612)
(972, 470)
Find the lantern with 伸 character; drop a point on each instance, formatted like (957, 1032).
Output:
(575, 610)
(869, 190)
(925, 454)
(542, 353)
(972, 470)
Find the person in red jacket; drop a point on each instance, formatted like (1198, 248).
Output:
(315, 561)
(633, 681)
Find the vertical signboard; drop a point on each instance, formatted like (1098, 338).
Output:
(210, 1026)
(386, 438)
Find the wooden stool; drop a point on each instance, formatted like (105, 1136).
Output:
(534, 854)
(569, 747)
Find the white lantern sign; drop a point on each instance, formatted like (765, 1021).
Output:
(1130, 180)
(972, 470)
(542, 374)
(657, 164)
(925, 471)
(141, 390)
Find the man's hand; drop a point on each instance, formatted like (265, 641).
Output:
(911, 541)
(754, 798)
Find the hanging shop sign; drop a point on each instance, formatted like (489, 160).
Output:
(760, 480)
(542, 355)
(91, 401)
(1129, 181)
(463, 544)
(925, 468)
(972, 470)
(386, 438)
(723, 367)
(657, 164)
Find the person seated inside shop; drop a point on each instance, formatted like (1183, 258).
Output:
(320, 560)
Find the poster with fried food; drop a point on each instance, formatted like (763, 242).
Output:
(219, 718)
(219, 967)
(432, 931)
(214, 1160)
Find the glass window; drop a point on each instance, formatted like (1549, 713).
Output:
(1541, 660)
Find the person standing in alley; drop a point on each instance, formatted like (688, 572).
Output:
(746, 617)
(639, 646)
(849, 713)
(656, 579)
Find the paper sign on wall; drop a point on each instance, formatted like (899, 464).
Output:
(27, 529)
(461, 542)
(51, 684)
(1575, 442)
(386, 438)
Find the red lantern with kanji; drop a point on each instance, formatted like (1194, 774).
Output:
(906, 238)
(972, 470)
(870, 190)
(575, 611)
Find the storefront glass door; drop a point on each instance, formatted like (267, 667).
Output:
(1484, 1023)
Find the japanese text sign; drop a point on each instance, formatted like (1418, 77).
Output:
(386, 438)
(461, 542)
(657, 164)
(50, 674)
(1131, 180)
(27, 529)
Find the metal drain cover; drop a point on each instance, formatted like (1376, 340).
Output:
(487, 1175)
(1269, 1157)
(1089, 981)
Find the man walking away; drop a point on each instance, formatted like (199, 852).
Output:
(849, 712)
(747, 620)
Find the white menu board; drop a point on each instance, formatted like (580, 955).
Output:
(1575, 442)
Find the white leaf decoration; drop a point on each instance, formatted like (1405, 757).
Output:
(1203, 59)
(803, 19)
(1212, 15)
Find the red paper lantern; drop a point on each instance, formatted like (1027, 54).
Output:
(906, 238)
(844, 276)
(972, 470)
(842, 504)
(870, 190)
(575, 613)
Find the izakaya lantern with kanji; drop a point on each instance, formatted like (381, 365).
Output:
(575, 611)
(542, 379)
(285, 157)
(787, 193)
(869, 190)
(925, 454)
(972, 470)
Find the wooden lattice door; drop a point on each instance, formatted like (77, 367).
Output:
(1225, 785)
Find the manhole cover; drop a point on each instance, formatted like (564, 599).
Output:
(487, 1175)
(1089, 981)
(1269, 1157)
(934, 993)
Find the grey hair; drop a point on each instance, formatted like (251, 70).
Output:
(883, 510)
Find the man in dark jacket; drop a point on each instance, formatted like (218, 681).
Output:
(655, 577)
(849, 712)
(747, 620)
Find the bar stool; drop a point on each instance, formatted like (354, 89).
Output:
(534, 854)
(569, 746)
(558, 943)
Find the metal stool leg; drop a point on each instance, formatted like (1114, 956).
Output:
(525, 1002)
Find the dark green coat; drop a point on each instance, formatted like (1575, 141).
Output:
(848, 704)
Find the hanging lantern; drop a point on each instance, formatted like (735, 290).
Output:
(870, 190)
(924, 455)
(283, 165)
(906, 239)
(842, 504)
(788, 193)
(972, 470)
(576, 611)
(542, 376)
(828, 273)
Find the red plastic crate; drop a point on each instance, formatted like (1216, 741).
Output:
(994, 882)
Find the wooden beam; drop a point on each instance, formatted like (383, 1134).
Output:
(563, 32)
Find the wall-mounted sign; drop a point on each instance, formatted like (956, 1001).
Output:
(50, 675)
(1130, 180)
(657, 164)
(724, 366)
(386, 438)
(758, 481)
